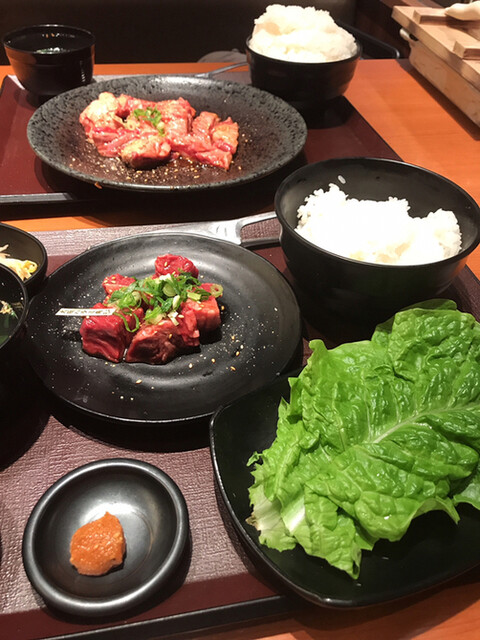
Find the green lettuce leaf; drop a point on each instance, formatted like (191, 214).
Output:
(375, 433)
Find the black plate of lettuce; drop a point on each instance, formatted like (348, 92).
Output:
(434, 548)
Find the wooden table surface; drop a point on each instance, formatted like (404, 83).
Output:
(423, 128)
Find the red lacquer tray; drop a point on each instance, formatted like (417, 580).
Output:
(338, 131)
(217, 582)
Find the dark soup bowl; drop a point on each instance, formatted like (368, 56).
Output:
(304, 85)
(49, 59)
(353, 288)
(26, 248)
(13, 312)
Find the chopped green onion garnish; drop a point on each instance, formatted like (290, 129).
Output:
(216, 290)
(151, 115)
(162, 295)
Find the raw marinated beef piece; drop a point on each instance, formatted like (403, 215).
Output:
(145, 152)
(153, 343)
(170, 321)
(130, 141)
(116, 281)
(177, 118)
(106, 336)
(214, 157)
(207, 312)
(225, 135)
(99, 118)
(210, 141)
(187, 328)
(111, 148)
(144, 134)
(161, 342)
(174, 264)
(127, 104)
(204, 124)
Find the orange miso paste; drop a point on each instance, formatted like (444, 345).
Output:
(98, 546)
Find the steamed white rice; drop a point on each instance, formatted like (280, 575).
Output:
(377, 231)
(301, 34)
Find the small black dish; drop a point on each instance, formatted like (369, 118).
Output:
(49, 59)
(14, 294)
(154, 517)
(276, 134)
(25, 246)
(359, 289)
(14, 370)
(304, 85)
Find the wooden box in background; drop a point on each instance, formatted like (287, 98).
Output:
(446, 51)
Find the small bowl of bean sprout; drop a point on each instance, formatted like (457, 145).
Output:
(25, 255)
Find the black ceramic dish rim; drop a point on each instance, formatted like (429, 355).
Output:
(38, 275)
(464, 253)
(294, 65)
(248, 536)
(8, 273)
(96, 607)
(68, 29)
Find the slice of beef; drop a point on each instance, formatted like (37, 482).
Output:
(202, 128)
(153, 344)
(225, 135)
(187, 328)
(145, 151)
(207, 313)
(214, 157)
(111, 146)
(159, 343)
(116, 281)
(170, 263)
(177, 118)
(127, 104)
(107, 336)
(101, 114)
(210, 141)
(197, 139)
(138, 144)
(109, 140)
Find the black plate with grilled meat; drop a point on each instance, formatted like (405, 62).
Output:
(271, 134)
